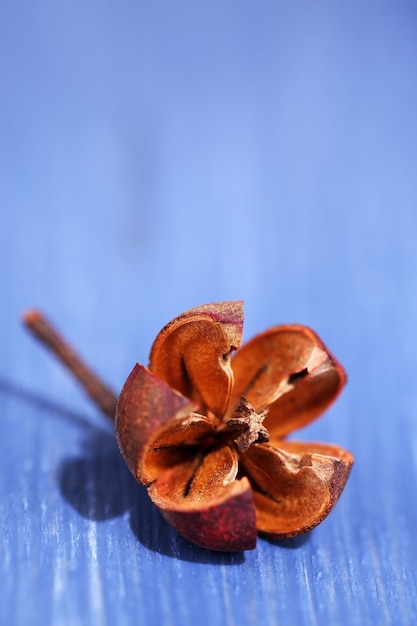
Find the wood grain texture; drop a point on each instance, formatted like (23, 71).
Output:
(157, 159)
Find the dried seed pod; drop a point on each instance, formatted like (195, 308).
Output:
(209, 466)
(206, 432)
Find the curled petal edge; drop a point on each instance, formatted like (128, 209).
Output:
(296, 485)
(146, 409)
(225, 523)
(289, 371)
(192, 353)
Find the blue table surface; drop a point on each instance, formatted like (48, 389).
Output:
(156, 156)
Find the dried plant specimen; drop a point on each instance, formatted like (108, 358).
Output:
(204, 427)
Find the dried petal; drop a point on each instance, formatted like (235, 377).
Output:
(188, 431)
(218, 468)
(288, 370)
(192, 353)
(211, 509)
(314, 447)
(146, 410)
(295, 488)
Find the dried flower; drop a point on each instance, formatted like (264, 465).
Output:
(205, 431)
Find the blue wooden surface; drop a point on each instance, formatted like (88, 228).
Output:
(157, 156)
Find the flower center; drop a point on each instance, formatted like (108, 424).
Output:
(245, 426)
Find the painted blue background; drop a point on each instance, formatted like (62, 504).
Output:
(155, 156)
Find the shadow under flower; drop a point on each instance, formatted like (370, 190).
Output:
(99, 486)
(292, 543)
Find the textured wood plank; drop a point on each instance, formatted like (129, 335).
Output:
(156, 159)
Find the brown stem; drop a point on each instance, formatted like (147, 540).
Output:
(105, 399)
